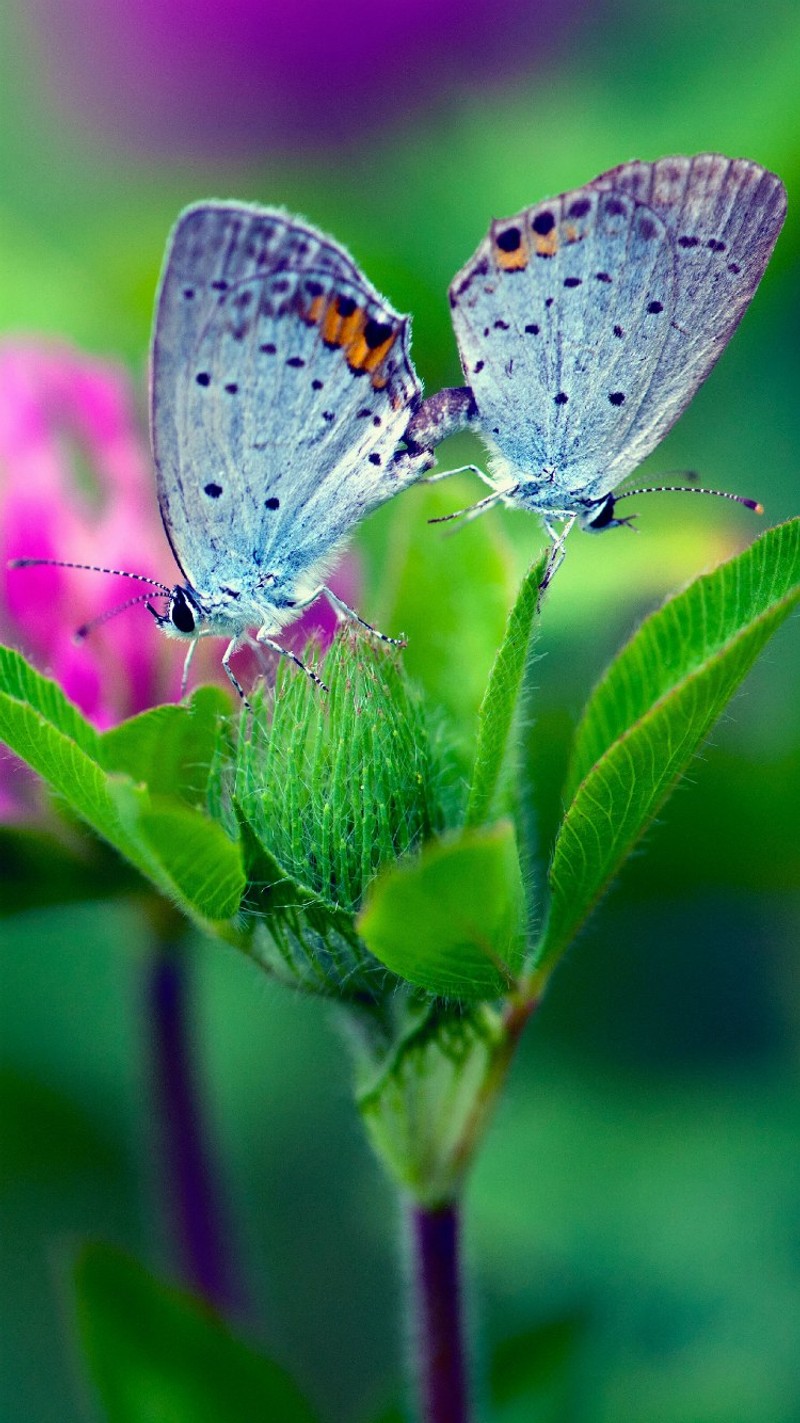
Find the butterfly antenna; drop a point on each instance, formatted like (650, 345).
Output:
(88, 568)
(80, 634)
(691, 489)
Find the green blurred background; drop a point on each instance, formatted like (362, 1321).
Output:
(641, 1177)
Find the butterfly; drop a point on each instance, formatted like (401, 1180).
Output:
(280, 387)
(585, 325)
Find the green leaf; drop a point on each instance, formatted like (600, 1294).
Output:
(451, 920)
(22, 684)
(188, 855)
(498, 712)
(47, 731)
(170, 749)
(184, 853)
(157, 1355)
(425, 1103)
(650, 713)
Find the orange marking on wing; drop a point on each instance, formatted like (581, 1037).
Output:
(357, 353)
(378, 354)
(332, 324)
(548, 246)
(511, 261)
(352, 327)
(363, 357)
(314, 313)
(570, 232)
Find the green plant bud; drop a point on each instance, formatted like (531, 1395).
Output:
(333, 786)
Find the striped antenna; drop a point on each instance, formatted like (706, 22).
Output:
(88, 568)
(691, 489)
(80, 634)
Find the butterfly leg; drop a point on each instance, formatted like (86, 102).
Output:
(557, 552)
(339, 606)
(460, 469)
(474, 510)
(187, 664)
(265, 640)
(233, 646)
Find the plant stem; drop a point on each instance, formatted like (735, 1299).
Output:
(438, 1339)
(187, 1180)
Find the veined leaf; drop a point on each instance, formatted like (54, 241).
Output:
(22, 684)
(170, 748)
(649, 714)
(186, 854)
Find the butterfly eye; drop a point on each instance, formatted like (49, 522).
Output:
(600, 516)
(180, 613)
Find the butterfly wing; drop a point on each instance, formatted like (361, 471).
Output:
(585, 324)
(280, 386)
(723, 217)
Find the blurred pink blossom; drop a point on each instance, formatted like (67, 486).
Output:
(76, 483)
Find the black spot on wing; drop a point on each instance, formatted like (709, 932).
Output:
(543, 223)
(509, 240)
(376, 332)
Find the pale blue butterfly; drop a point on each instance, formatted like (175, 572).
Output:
(586, 324)
(281, 384)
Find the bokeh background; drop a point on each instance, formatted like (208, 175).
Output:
(640, 1182)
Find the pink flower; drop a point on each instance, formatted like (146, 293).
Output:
(75, 484)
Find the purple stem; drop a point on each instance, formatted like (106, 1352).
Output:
(438, 1338)
(188, 1187)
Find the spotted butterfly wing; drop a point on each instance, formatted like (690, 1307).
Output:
(280, 386)
(586, 323)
